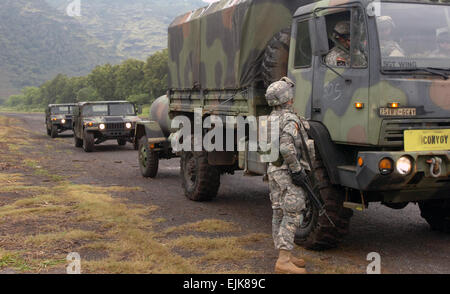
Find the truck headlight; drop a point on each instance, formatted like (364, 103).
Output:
(63, 121)
(101, 126)
(128, 125)
(404, 165)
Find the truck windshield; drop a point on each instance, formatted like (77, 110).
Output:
(118, 109)
(61, 110)
(414, 36)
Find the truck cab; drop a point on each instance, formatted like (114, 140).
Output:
(388, 119)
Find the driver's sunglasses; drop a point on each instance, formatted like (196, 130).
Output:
(344, 36)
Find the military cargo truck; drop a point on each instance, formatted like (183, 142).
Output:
(381, 127)
(58, 118)
(97, 122)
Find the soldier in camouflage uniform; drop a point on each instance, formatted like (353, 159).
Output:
(339, 56)
(389, 47)
(285, 176)
(443, 41)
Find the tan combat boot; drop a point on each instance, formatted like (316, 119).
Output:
(285, 266)
(298, 262)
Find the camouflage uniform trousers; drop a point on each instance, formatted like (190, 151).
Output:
(288, 203)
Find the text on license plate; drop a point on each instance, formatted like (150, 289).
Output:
(427, 140)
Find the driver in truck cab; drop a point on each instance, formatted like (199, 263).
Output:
(443, 42)
(339, 56)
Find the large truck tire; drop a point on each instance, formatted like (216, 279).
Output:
(88, 142)
(148, 159)
(316, 232)
(78, 142)
(200, 180)
(437, 214)
(276, 56)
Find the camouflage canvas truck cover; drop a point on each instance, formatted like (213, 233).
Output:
(58, 118)
(379, 116)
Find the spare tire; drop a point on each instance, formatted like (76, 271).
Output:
(275, 60)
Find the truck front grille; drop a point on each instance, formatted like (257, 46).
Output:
(115, 126)
(392, 129)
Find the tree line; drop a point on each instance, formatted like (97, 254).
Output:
(133, 80)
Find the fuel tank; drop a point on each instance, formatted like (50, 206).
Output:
(159, 112)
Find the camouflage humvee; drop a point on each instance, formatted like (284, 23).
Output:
(58, 118)
(97, 122)
(380, 119)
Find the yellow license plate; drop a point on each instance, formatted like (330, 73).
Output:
(427, 140)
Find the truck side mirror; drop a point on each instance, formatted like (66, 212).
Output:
(139, 109)
(319, 36)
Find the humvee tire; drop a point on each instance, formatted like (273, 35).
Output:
(121, 142)
(148, 160)
(54, 132)
(316, 232)
(437, 214)
(276, 56)
(200, 180)
(78, 142)
(88, 142)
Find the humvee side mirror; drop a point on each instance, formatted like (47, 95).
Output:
(139, 109)
(319, 36)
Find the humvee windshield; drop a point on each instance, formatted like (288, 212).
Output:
(414, 36)
(116, 109)
(61, 110)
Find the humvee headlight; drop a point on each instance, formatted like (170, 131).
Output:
(63, 121)
(404, 165)
(101, 126)
(128, 125)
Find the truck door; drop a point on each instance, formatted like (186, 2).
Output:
(301, 66)
(340, 93)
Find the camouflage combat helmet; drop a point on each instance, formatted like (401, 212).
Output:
(443, 34)
(341, 29)
(280, 92)
(385, 22)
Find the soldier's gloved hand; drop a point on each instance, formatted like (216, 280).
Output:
(299, 178)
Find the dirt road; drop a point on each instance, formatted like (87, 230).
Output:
(401, 237)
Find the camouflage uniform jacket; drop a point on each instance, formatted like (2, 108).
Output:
(291, 128)
(340, 58)
(391, 49)
(438, 54)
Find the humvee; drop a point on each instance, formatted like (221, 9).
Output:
(97, 122)
(381, 127)
(58, 118)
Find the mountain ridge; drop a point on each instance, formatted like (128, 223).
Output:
(39, 40)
